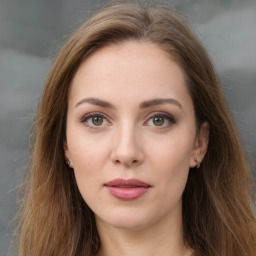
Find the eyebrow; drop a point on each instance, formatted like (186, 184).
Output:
(153, 102)
(144, 104)
(95, 101)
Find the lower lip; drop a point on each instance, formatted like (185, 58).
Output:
(127, 193)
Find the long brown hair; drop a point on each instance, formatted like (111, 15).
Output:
(217, 201)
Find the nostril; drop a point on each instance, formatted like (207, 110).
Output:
(132, 162)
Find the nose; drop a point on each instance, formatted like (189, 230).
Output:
(126, 148)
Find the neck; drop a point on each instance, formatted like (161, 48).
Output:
(160, 239)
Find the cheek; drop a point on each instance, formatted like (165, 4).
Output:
(173, 169)
(86, 149)
(171, 179)
(89, 155)
(171, 159)
(173, 152)
(87, 167)
(87, 160)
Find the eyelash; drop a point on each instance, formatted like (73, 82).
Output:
(169, 118)
(164, 115)
(84, 119)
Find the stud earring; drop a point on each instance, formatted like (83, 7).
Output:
(197, 162)
(68, 162)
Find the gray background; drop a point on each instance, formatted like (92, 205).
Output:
(32, 31)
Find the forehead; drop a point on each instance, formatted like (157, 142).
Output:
(129, 69)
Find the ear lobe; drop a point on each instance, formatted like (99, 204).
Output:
(201, 145)
(66, 150)
(67, 155)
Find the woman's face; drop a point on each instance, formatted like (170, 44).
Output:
(131, 135)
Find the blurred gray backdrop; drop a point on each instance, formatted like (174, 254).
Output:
(32, 31)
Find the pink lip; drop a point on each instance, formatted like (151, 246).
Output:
(127, 189)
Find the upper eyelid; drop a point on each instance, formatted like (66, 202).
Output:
(148, 117)
(168, 117)
(85, 117)
(161, 113)
(94, 113)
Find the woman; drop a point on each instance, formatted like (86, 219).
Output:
(135, 152)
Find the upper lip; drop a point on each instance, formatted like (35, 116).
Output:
(127, 183)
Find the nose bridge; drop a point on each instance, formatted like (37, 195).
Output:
(126, 145)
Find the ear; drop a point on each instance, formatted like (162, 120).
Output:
(67, 154)
(201, 144)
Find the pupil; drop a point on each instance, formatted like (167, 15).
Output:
(158, 120)
(97, 120)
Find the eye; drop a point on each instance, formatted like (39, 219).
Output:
(160, 120)
(97, 120)
(94, 120)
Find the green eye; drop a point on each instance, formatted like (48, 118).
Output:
(158, 120)
(97, 120)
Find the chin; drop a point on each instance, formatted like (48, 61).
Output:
(124, 221)
(134, 225)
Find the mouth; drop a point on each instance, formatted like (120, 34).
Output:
(126, 190)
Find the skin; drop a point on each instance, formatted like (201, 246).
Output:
(156, 143)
